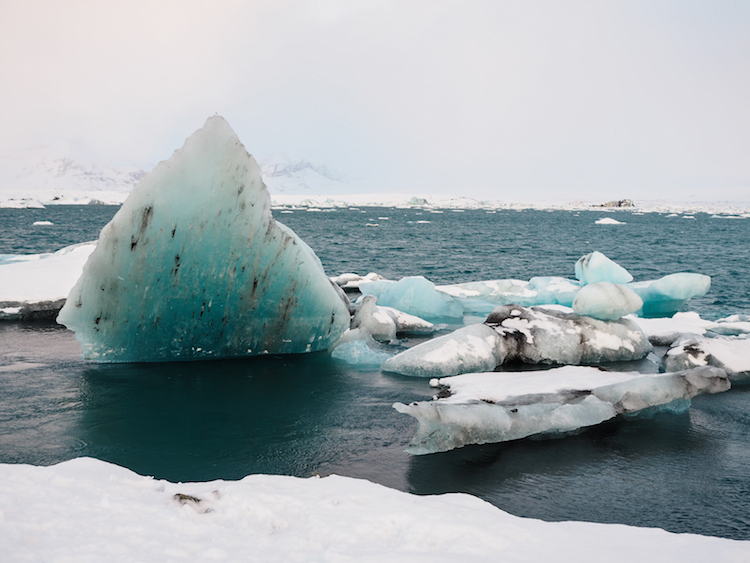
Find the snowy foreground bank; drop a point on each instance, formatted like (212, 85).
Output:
(90, 510)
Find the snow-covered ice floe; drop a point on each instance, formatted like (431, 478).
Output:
(480, 408)
(608, 221)
(535, 335)
(731, 354)
(414, 295)
(34, 286)
(350, 281)
(194, 266)
(661, 297)
(385, 323)
(606, 301)
(357, 348)
(90, 510)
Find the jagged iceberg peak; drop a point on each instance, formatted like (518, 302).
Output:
(194, 266)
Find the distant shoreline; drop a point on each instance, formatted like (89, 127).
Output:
(408, 200)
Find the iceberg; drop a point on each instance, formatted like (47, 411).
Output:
(534, 335)
(608, 221)
(664, 331)
(449, 302)
(480, 408)
(350, 281)
(471, 348)
(193, 266)
(415, 295)
(606, 301)
(733, 325)
(732, 354)
(483, 296)
(596, 267)
(359, 353)
(665, 296)
(384, 323)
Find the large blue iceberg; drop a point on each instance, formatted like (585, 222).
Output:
(193, 266)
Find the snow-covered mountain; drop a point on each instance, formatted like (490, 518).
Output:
(287, 176)
(56, 173)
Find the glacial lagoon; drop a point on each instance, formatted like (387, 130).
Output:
(301, 415)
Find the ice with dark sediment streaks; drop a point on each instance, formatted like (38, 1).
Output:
(480, 408)
(193, 266)
(532, 335)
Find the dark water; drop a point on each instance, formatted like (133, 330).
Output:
(304, 414)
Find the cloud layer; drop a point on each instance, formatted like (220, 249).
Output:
(502, 100)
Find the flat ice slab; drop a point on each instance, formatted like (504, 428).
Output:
(89, 510)
(482, 408)
(36, 285)
(193, 266)
(731, 354)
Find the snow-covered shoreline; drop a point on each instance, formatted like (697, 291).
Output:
(89, 510)
(284, 201)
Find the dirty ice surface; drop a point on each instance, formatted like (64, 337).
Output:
(479, 408)
(193, 266)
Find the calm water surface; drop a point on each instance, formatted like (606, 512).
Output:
(304, 414)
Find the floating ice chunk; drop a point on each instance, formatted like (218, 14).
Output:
(553, 290)
(385, 323)
(35, 286)
(481, 297)
(374, 287)
(608, 221)
(378, 323)
(351, 282)
(470, 348)
(596, 267)
(502, 406)
(194, 266)
(359, 353)
(731, 354)
(665, 296)
(734, 325)
(416, 296)
(409, 324)
(25, 203)
(543, 335)
(606, 301)
(664, 331)
(533, 335)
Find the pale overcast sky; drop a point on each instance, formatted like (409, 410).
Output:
(496, 99)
